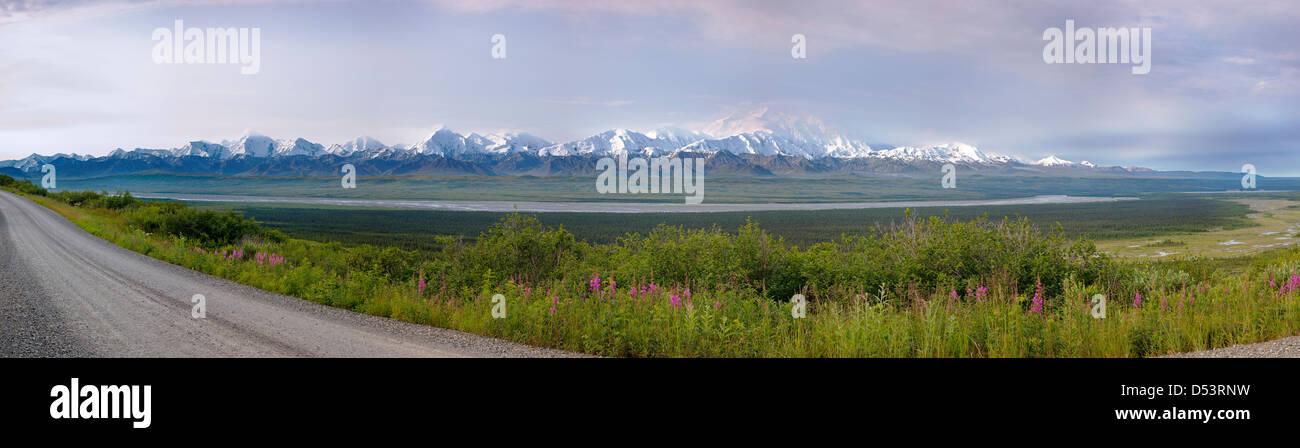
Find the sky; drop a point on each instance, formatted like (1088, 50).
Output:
(79, 76)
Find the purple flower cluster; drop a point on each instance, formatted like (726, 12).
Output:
(979, 293)
(265, 258)
(1037, 303)
(644, 291)
(233, 255)
(1291, 286)
(261, 258)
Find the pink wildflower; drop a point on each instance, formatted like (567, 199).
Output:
(1037, 306)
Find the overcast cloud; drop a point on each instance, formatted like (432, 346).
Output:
(77, 76)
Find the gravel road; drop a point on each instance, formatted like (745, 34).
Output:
(66, 293)
(1279, 348)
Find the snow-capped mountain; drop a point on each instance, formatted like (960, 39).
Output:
(955, 152)
(1052, 160)
(362, 143)
(200, 149)
(755, 142)
(511, 142)
(445, 142)
(764, 132)
(252, 145)
(35, 161)
(300, 147)
(675, 136)
(122, 153)
(614, 142)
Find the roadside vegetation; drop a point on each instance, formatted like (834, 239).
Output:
(935, 286)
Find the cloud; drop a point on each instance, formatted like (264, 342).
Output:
(584, 101)
(916, 25)
(17, 11)
(1285, 83)
(899, 71)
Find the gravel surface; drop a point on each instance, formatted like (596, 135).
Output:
(64, 292)
(1280, 348)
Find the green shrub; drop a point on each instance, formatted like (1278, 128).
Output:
(523, 249)
(208, 228)
(23, 186)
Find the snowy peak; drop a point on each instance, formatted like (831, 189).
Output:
(251, 144)
(962, 152)
(675, 136)
(442, 142)
(762, 131)
(362, 143)
(448, 143)
(201, 149)
(512, 142)
(35, 161)
(612, 142)
(1052, 160)
(955, 152)
(758, 143)
(299, 147)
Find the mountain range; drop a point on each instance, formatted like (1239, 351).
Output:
(754, 143)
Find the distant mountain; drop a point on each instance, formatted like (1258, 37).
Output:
(763, 132)
(758, 142)
(445, 142)
(954, 152)
(613, 142)
(362, 143)
(34, 161)
(1053, 161)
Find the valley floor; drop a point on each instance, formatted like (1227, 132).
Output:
(1275, 225)
(628, 207)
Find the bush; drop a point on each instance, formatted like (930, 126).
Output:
(208, 228)
(384, 262)
(522, 248)
(931, 254)
(23, 186)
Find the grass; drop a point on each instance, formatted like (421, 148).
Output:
(920, 288)
(1271, 223)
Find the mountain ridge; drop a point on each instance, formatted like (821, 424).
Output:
(752, 143)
